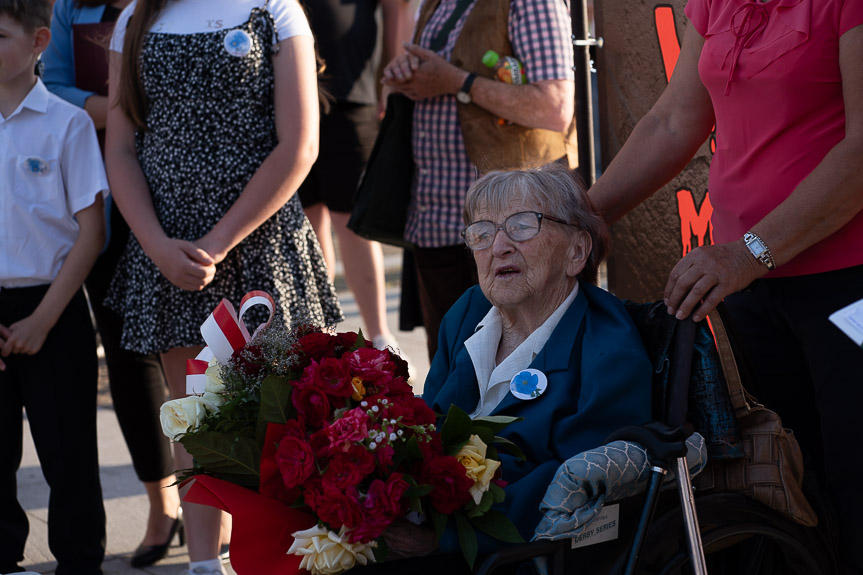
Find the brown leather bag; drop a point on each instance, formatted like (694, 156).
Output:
(772, 470)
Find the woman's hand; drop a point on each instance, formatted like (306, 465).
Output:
(406, 539)
(25, 336)
(706, 275)
(184, 264)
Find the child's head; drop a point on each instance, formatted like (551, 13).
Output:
(29, 14)
(24, 34)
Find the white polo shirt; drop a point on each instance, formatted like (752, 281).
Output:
(50, 169)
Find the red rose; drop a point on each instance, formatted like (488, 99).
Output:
(401, 369)
(332, 377)
(318, 344)
(296, 461)
(399, 388)
(249, 360)
(384, 454)
(320, 441)
(370, 364)
(352, 427)
(295, 428)
(312, 405)
(342, 474)
(451, 485)
(337, 508)
(349, 339)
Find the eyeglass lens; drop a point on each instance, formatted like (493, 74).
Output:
(518, 227)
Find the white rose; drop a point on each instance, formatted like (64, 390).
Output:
(324, 552)
(214, 377)
(216, 399)
(178, 415)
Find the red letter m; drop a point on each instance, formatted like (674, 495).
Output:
(694, 224)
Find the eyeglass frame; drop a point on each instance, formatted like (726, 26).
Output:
(502, 227)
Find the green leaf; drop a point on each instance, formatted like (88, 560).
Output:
(484, 504)
(414, 504)
(466, 538)
(485, 434)
(412, 449)
(221, 453)
(381, 550)
(507, 446)
(497, 492)
(498, 525)
(439, 521)
(276, 406)
(359, 342)
(495, 422)
(456, 429)
(418, 490)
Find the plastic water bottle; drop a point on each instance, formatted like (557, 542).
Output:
(507, 69)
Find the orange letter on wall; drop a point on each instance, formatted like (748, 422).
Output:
(694, 223)
(666, 33)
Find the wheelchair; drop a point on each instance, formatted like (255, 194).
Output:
(666, 533)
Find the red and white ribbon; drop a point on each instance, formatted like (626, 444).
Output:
(224, 331)
(196, 372)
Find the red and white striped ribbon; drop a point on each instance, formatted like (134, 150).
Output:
(196, 372)
(224, 331)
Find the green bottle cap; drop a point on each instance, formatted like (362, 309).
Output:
(490, 58)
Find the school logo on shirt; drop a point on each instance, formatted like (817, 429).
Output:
(36, 166)
(238, 43)
(528, 384)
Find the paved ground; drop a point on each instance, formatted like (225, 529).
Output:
(125, 503)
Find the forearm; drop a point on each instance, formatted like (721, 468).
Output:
(547, 105)
(265, 194)
(654, 153)
(132, 195)
(78, 263)
(397, 27)
(824, 201)
(97, 108)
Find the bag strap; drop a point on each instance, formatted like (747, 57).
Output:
(739, 398)
(439, 41)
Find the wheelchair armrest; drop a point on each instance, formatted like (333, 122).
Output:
(518, 553)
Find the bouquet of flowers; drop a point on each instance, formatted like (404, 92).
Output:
(328, 426)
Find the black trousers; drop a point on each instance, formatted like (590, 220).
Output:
(138, 386)
(443, 275)
(57, 387)
(811, 373)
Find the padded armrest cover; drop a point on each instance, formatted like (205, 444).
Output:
(585, 482)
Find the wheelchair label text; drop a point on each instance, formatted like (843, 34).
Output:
(603, 528)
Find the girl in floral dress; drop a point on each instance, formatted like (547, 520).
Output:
(212, 128)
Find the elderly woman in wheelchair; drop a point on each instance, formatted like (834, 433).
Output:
(536, 339)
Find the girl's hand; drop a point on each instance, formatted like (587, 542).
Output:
(26, 336)
(184, 264)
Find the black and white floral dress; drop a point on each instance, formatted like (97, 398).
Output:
(211, 124)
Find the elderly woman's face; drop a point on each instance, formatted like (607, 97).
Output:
(532, 272)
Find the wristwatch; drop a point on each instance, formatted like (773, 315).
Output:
(463, 95)
(759, 249)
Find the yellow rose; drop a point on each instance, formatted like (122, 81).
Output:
(324, 552)
(359, 389)
(477, 467)
(178, 415)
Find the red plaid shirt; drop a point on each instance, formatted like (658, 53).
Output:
(539, 31)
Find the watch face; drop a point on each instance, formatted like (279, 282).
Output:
(463, 97)
(756, 247)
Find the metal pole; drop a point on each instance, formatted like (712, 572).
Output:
(583, 94)
(690, 519)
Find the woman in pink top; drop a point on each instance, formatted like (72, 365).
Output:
(783, 83)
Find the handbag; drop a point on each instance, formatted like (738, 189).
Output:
(771, 470)
(384, 190)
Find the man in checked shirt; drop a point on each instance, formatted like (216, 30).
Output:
(466, 122)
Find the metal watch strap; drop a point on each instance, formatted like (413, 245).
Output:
(759, 249)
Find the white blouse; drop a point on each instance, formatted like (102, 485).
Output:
(195, 16)
(493, 380)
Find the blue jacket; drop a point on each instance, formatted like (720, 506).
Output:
(599, 379)
(59, 58)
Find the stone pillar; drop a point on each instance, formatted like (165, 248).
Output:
(642, 42)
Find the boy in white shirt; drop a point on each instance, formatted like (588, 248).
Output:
(51, 230)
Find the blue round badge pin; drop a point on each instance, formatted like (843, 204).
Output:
(37, 166)
(528, 384)
(238, 43)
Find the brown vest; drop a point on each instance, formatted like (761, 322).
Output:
(491, 145)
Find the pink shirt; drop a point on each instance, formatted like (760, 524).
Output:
(772, 71)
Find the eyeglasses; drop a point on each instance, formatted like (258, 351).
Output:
(518, 227)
